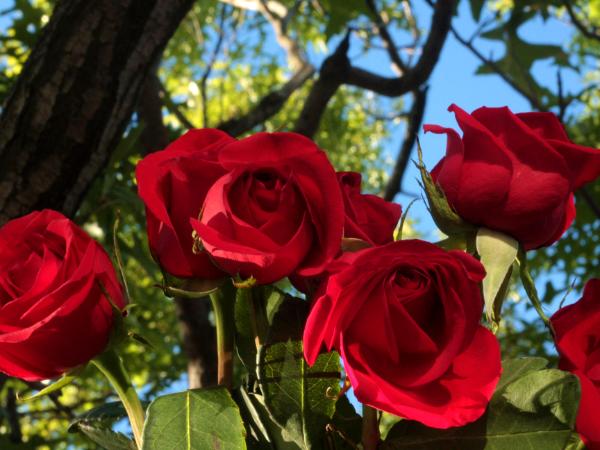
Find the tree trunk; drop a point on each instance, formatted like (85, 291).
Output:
(74, 97)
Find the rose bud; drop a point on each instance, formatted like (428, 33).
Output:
(514, 173)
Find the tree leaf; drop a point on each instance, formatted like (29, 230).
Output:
(497, 252)
(523, 413)
(104, 414)
(199, 419)
(107, 438)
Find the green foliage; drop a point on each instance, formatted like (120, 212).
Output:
(533, 407)
(106, 438)
(196, 420)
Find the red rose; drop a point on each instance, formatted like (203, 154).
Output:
(514, 173)
(277, 210)
(173, 184)
(405, 319)
(577, 334)
(54, 315)
(368, 217)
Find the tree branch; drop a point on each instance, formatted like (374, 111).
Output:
(588, 31)
(268, 106)
(388, 42)
(415, 119)
(12, 415)
(337, 70)
(332, 74)
(533, 100)
(155, 135)
(210, 64)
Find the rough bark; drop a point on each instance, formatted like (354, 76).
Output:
(68, 109)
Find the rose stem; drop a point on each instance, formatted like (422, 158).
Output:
(111, 365)
(370, 428)
(223, 303)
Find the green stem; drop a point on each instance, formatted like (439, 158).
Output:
(370, 428)
(223, 303)
(530, 288)
(111, 365)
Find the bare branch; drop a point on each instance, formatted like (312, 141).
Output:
(253, 5)
(269, 105)
(587, 30)
(210, 64)
(331, 76)
(388, 42)
(533, 100)
(174, 108)
(415, 119)
(336, 70)
(15, 436)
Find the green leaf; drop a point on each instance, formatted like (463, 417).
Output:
(347, 425)
(513, 369)
(266, 298)
(301, 399)
(528, 410)
(575, 443)
(56, 386)
(198, 419)
(262, 432)
(553, 389)
(341, 12)
(497, 252)
(102, 415)
(106, 438)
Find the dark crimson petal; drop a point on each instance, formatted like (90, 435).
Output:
(368, 217)
(545, 124)
(62, 319)
(588, 425)
(583, 162)
(314, 178)
(576, 326)
(456, 399)
(480, 182)
(173, 183)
